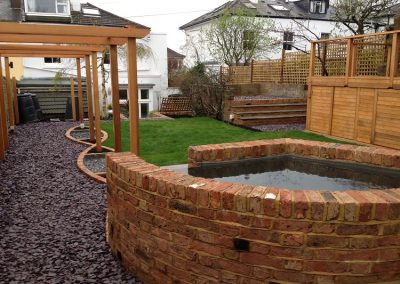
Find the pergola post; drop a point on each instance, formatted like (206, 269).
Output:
(89, 97)
(3, 117)
(15, 99)
(80, 96)
(115, 97)
(73, 106)
(96, 101)
(133, 97)
(10, 103)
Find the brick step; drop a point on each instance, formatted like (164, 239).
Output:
(271, 111)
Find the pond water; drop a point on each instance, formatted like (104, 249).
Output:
(293, 172)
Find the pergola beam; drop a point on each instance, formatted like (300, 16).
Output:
(72, 30)
(51, 48)
(57, 39)
(50, 54)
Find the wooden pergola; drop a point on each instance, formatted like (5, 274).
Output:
(79, 42)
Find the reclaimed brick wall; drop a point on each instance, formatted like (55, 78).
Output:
(168, 227)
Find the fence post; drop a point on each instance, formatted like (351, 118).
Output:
(350, 64)
(394, 58)
(282, 63)
(251, 70)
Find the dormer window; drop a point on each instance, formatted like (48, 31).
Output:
(47, 7)
(318, 6)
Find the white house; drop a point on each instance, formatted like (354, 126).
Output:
(152, 69)
(293, 22)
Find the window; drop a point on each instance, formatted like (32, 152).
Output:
(52, 60)
(248, 40)
(55, 7)
(318, 7)
(325, 35)
(144, 94)
(123, 94)
(288, 39)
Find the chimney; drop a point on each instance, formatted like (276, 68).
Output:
(75, 5)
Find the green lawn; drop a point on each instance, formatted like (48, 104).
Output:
(166, 142)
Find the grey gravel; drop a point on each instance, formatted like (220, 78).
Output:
(95, 162)
(280, 127)
(52, 217)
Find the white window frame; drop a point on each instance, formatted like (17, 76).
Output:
(145, 101)
(67, 14)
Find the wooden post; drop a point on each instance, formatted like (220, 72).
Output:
(394, 63)
(15, 99)
(115, 97)
(96, 101)
(80, 96)
(309, 92)
(3, 117)
(9, 94)
(350, 65)
(133, 97)
(251, 71)
(89, 98)
(71, 80)
(282, 63)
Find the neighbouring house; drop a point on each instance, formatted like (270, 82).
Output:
(175, 64)
(152, 69)
(289, 18)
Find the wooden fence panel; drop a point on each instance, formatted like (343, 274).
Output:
(365, 115)
(320, 109)
(387, 127)
(344, 112)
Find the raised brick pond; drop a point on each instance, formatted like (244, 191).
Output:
(168, 226)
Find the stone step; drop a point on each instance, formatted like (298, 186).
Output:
(273, 117)
(268, 105)
(271, 111)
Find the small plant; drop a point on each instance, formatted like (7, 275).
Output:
(109, 107)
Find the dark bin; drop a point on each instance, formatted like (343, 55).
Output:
(39, 112)
(27, 110)
(68, 110)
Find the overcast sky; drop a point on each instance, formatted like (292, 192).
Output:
(162, 16)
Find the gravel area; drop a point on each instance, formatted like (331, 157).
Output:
(280, 127)
(262, 97)
(96, 163)
(52, 217)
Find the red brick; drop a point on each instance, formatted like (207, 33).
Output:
(258, 234)
(285, 203)
(228, 197)
(325, 241)
(207, 248)
(350, 206)
(241, 198)
(255, 199)
(230, 216)
(317, 204)
(271, 201)
(301, 204)
(259, 222)
(261, 260)
(292, 226)
(346, 229)
(292, 240)
(365, 205)
(323, 228)
(325, 266)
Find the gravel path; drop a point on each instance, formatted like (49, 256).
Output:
(52, 217)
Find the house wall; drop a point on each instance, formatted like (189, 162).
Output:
(152, 71)
(17, 71)
(193, 36)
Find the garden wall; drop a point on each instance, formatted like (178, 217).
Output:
(168, 227)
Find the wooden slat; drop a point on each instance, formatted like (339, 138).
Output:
(80, 95)
(115, 97)
(15, 100)
(73, 98)
(60, 39)
(133, 97)
(51, 48)
(89, 98)
(96, 101)
(10, 103)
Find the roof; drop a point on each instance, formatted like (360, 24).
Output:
(293, 10)
(8, 14)
(174, 54)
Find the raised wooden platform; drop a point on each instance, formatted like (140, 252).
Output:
(259, 112)
(176, 106)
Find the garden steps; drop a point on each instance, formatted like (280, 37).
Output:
(257, 112)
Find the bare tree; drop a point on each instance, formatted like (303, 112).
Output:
(359, 16)
(238, 36)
